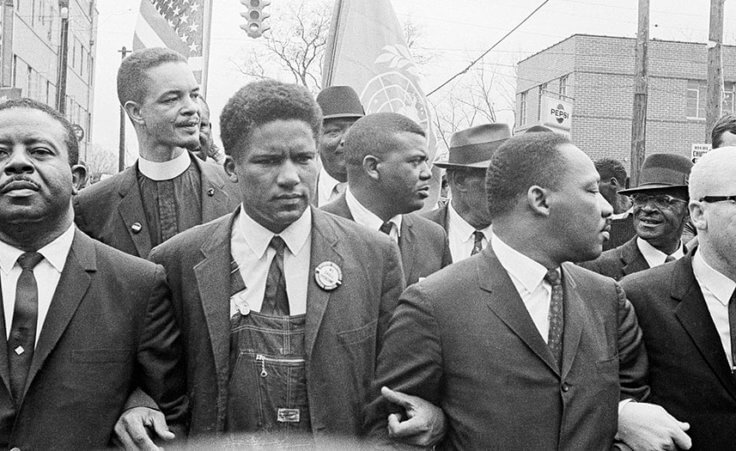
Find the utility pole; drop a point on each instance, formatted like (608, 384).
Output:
(641, 82)
(63, 57)
(714, 95)
(121, 149)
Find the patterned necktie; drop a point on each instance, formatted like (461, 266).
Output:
(275, 299)
(556, 316)
(478, 242)
(732, 328)
(386, 227)
(23, 332)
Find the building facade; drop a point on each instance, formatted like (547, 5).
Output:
(31, 56)
(595, 76)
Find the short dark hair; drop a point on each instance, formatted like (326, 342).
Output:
(70, 139)
(373, 135)
(132, 71)
(608, 167)
(262, 102)
(726, 123)
(520, 162)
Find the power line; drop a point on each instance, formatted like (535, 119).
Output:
(489, 50)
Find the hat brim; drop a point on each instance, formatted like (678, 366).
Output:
(478, 165)
(343, 116)
(653, 187)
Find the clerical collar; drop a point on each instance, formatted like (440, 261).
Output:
(164, 170)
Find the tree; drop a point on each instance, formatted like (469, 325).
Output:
(100, 161)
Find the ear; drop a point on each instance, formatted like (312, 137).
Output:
(697, 215)
(370, 166)
(134, 112)
(229, 166)
(79, 177)
(613, 182)
(538, 200)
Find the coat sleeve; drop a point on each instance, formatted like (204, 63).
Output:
(633, 363)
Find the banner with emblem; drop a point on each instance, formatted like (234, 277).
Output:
(181, 25)
(366, 50)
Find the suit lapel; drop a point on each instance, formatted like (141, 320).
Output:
(4, 370)
(132, 212)
(215, 201)
(324, 248)
(505, 302)
(213, 282)
(407, 241)
(632, 258)
(695, 318)
(575, 307)
(80, 266)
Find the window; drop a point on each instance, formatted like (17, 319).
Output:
(563, 86)
(542, 90)
(522, 108)
(696, 91)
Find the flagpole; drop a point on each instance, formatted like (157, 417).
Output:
(331, 50)
(206, 23)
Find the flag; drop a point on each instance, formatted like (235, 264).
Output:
(181, 25)
(366, 50)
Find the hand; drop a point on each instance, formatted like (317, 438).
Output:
(646, 427)
(424, 424)
(137, 427)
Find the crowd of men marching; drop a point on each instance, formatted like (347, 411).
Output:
(287, 292)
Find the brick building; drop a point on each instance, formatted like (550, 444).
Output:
(595, 75)
(30, 55)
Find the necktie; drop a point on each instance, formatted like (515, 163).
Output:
(556, 315)
(732, 328)
(337, 190)
(386, 228)
(478, 242)
(275, 300)
(669, 258)
(23, 332)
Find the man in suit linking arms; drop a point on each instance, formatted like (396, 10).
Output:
(168, 189)
(659, 215)
(465, 218)
(687, 312)
(82, 323)
(388, 178)
(518, 348)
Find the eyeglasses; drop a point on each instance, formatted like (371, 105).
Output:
(711, 199)
(659, 200)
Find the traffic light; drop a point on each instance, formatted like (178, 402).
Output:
(254, 17)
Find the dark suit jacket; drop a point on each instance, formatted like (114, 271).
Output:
(109, 329)
(108, 209)
(423, 245)
(343, 327)
(463, 340)
(688, 371)
(619, 262)
(439, 216)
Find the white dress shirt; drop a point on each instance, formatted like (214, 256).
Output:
(249, 245)
(461, 235)
(47, 274)
(164, 170)
(326, 188)
(717, 290)
(528, 278)
(654, 256)
(367, 218)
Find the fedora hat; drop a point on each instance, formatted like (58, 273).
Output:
(474, 147)
(340, 102)
(662, 171)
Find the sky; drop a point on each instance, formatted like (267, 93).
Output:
(451, 34)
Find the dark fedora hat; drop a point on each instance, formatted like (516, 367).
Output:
(662, 171)
(474, 147)
(340, 102)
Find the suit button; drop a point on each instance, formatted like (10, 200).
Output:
(136, 227)
(565, 387)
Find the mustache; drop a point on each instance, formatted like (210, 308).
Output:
(18, 179)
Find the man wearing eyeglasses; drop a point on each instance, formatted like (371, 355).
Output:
(659, 212)
(687, 312)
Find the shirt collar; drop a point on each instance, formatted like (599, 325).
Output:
(528, 272)
(258, 237)
(326, 183)
(709, 279)
(460, 226)
(653, 255)
(164, 170)
(367, 218)
(55, 252)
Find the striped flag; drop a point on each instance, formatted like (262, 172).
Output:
(181, 25)
(366, 50)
